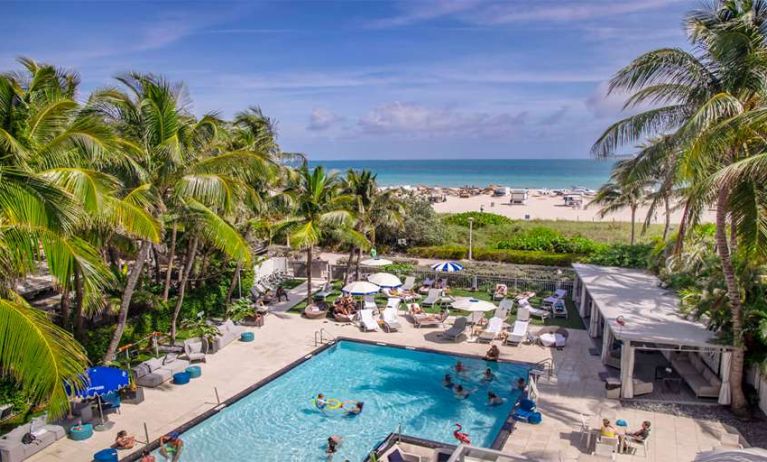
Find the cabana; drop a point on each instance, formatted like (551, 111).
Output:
(630, 306)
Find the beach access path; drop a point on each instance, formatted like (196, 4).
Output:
(547, 207)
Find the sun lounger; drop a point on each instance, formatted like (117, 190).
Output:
(409, 283)
(494, 327)
(428, 319)
(370, 303)
(518, 332)
(393, 303)
(458, 329)
(326, 290)
(428, 282)
(503, 308)
(500, 292)
(559, 310)
(390, 319)
(559, 294)
(532, 311)
(433, 297)
(367, 322)
(340, 317)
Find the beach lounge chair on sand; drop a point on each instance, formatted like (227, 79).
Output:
(409, 283)
(367, 322)
(518, 332)
(390, 319)
(494, 327)
(433, 297)
(458, 329)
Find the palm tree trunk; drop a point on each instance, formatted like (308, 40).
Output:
(733, 293)
(633, 220)
(667, 212)
(130, 286)
(170, 262)
(347, 273)
(679, 245)
(309, 275)
(233, 284)
(157, 271)
(182, 288)
(357, 266)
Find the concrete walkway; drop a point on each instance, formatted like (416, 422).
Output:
(296, 295)
(573, 390)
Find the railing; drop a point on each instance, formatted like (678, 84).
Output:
(319, 337)
(543, 367)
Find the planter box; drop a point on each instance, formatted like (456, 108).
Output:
(133, 397)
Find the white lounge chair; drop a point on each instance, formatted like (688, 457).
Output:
(409, 283)
(326, 290)
(433, 297)
(532, 311)
(503, 308)
(552, 299)
(518, 332)
(390, 319)
(370, 303)
(367, 322)
(458, 329)
(393, 302)
(494, 327)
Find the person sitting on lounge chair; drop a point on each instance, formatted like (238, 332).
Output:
(607, 430)
(492, 354)
(640, 435)
(493, 399)
(124, 441)
(460, 392)
(415, 309)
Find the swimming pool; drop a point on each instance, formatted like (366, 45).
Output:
(278, 421)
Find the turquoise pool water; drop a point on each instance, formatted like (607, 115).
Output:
(278, 421)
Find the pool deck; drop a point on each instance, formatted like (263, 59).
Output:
(575, 390)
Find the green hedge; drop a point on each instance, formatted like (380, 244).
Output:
(546, 239)
(457, 252)
(480, 219)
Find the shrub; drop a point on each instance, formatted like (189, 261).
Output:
(421, 226)
(480, 219)
(624, 255)
(448, 252)
(546, 239)
(455, 252)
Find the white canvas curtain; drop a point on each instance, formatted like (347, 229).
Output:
(607, 342)
(724, 371)
(627, 370)
(594, 321)
(584, 305)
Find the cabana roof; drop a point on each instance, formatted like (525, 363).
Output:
(650, 312)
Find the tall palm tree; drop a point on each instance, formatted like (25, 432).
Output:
(694, 95)
(317, 206)
(621, 192)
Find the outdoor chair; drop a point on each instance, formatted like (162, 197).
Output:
(367, 322)
(532, 311)
(326, 291)
(369, 303)
(455, 332)
(503, 309)
(500, 292)
(494, 327)
(632, 442)
(426, 319)
(583, 429)
(409, 283)
(518, 332)
(559, 310)
(393, 302)
(194, 349)
(390, 319)
(559, 294)
(432, 298)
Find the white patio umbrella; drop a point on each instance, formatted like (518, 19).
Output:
(447, 267)
(376, 262)
(473, 306)
(385, 280)
(360, 288)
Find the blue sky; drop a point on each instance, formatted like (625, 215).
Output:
(365, 79)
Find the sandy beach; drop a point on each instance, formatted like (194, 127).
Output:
(545, 208)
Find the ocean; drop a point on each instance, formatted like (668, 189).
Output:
(515, 173)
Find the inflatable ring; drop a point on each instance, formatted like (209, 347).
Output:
(331, 404)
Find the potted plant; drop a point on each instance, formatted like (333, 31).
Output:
(242, 312)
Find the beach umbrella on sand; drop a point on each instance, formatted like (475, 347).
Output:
(387, 280)
(447, 267)
(100, 381)
(473, 306)
(376, 262)
(360, 288)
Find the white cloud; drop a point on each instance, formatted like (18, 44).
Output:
(414, 119)
(322, 119)
(556, 116)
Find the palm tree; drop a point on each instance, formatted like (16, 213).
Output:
(695, 94)
(619, 193)
(317, 206)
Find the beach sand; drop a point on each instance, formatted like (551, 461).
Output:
(547, 208)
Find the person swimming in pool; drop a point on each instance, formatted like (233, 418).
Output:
(488, 375)
(448, 381)
(333, 443)
(459, 367)
(357, 409)
(493, 399)
(460, 392)
(320, 401)
(171, 446)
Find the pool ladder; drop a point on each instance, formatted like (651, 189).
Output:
(319, 337)
(544, 367)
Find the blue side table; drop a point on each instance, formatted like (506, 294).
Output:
(194, 371)
(181, 378)
(81, 432)
(247, 337)
(106, 455)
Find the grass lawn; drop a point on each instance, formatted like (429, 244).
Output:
(573, 320)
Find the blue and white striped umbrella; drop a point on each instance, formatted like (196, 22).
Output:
(447, 267)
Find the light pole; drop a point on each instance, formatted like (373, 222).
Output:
(471, 229)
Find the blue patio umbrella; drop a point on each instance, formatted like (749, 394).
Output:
(100, 381)
(447, 267)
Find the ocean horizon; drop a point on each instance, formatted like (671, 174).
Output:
(515, 173)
